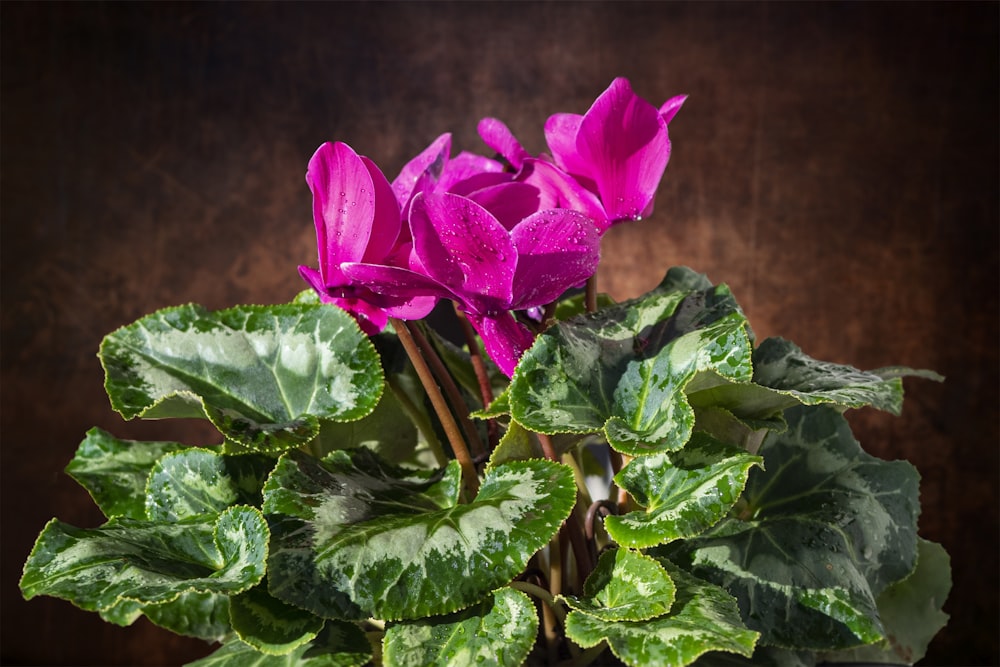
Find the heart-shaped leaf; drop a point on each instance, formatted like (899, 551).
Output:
(821, 532)
(147, 562)
(196, 482)
(702, 618)
(352, 545)
(625, 369)
(625, 586)
(684, 493)
(499, 631)
(114, 471)
(264, 375)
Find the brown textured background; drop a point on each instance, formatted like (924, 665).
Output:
(836, 164)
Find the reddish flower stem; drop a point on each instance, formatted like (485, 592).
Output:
(440, 406)
(482, 375)
(450, 388)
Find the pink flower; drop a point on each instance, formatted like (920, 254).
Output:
(464, 252)
(615, 154)
(357, 219)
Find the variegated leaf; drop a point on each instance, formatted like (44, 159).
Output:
(625, 370)
(350, 544)
(147, 562)
(115, 471)
(337, 645)
(625, 586)
(702, 618)
(264, 375)
(682, 493)
(820, 533)
(499, 631)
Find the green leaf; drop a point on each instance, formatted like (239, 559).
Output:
(684, 493)
(703, 618)
(337, 645)
(197, 482)
(114, 471)
(625, 586)
(147, 562)
(269, 625)
(201, 615)
(625, 369)
(820, 534)
(520, 444)
(499, 631)
(910, 611)
(349, 544)
(781, 365)
(264, 375)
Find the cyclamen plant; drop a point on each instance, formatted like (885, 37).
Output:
(580, 475)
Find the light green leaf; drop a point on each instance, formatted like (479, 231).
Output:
(337, 645)
(684, 493)
(625, 370)
(625, 586)
(264, 375)
(520, 444)
(348, 544)
(269, 625)
(703, 618)
(781, 365)
(499, 631)
(910, 611)
(147, 562)
(114, 471)
(820, 534)
(197, 482)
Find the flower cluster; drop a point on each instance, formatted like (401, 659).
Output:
(493, 236)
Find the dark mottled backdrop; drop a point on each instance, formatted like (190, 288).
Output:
(836, 164)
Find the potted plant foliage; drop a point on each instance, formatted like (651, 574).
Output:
(566, 480)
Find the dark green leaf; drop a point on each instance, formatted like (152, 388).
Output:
(499, 631)
(264, 375)
(147, 562)
(269, 625)
(625, 369)
(349, 544)
(115, 471)
(781, 365)
(201, 615)
(910, 611)
(337, 645)
(820, 534)
(684, 493)
(703, 618)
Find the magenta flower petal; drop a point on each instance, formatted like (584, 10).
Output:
(467, 172)
(557, 249)
(671, 107)
(561, 131)
(386, 224)
(624, 138)
(498, 136)
(510, 203)
(369, 317)
(396, 285)
(461, 245)
(343, 205)
(560, 190)
(504, 338)
(431, 161)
